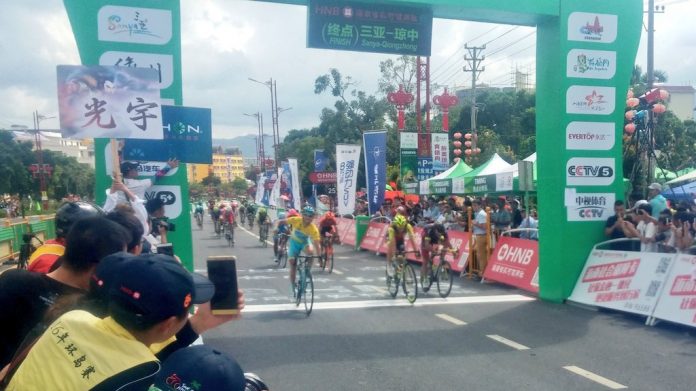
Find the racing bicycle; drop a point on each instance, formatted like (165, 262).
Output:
(199, 219)
(263, 233)
(327, 252)
(282, 255)
(304, 285)
(442, 275)
(229, 233)
(400, 272)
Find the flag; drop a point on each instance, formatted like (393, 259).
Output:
(347, 176)
(375, 144)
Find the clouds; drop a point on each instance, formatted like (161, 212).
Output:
(226, 42)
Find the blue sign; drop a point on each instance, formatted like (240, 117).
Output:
(187, 137)
(320, 160)
(375, 144)
(425, 168)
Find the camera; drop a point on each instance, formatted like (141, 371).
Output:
(660, 237)
(162, 222)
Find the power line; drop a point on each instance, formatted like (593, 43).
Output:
(461, 48)
(511, 43)
(501, 35)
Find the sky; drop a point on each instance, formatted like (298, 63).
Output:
(225, 42)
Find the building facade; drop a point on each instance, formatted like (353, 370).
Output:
(196, 172)
(681, 101)
(228, 167)
(82, 150)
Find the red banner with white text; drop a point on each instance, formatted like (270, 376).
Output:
(515, 262)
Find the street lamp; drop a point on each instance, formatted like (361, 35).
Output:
(275, 110)
(260, 155)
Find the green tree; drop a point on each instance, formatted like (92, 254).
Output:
(239, 186)
(16, 158)
(211, 180)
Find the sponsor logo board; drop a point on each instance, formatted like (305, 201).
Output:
(590, 100)
(597, 136)
(586, 26)
(591, 64)
(590, 171)
(591, 207)
(134, 25)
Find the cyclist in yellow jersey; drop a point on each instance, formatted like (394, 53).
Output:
(398, 229)
(305, 235)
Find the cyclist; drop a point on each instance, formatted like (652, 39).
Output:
(327, 228)
(281, 228)
(303, 230)
(398, 229)
(293, 213)
(199, 213)
(229, 221)
(251, 214)
(434, 236)
(242, 211)
(262, 219)
(215, 216)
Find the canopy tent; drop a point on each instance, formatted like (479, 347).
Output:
(662, 174)
(494, 165)
(691, 176)
(461, 179)
(455, 171)
(684, 192)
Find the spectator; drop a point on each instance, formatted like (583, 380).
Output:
(157, 221)
(658, 203)
(25, 296)
(43, 259)
(645, 229)
(528, 222)
(480, 235)
(516, 213)
(129, 170)
(125, 216)
(616, 228)
(149, 301)
(665, 235)
(433, 210)
(502, 218)
(201, 368)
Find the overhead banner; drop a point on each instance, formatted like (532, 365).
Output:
(187, 137)
(286, 183)
(365, 27)
(515, 262)
(275, 192)
(440, 151)
(408, 162)
(375, 144)
(109, 102)
(129, 35)
(347, 177)
(623, 280)
(296, 197)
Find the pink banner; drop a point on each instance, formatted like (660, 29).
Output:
(515, 262)
(349, 237)
(460, 241)
(374, 236)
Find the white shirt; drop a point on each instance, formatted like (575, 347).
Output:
(480, 219)
(647, 231)
(138, 186)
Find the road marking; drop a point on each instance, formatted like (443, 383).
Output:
(507, 342)
(253, 234)
(595, 378)
(336, 271)
(392, 303)
(451, 319)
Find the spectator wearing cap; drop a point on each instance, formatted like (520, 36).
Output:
(657, 201)
(645, 229)
(149, 300)
(199, 368)
(155, 213)
(25, 296)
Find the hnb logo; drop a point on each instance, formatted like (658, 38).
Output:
(591, 171)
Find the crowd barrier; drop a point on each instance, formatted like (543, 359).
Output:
(515, 262)
(659, 286)
(12, 230)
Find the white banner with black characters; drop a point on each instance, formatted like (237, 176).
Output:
(347, 159)
(678, 300)
(590, 206)
(296, 197)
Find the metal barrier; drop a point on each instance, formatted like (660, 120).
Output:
(514, 230)
(12, 231)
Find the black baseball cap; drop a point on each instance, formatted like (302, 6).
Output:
(155, 286)
(127, 166)
(200, 368)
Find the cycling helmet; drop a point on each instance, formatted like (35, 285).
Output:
(282, 215)
(400, 221)
(329, 215)
(71, 212)
(308, 211)
(262, 210)
(292, 213)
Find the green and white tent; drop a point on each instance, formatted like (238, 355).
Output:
(493, 175)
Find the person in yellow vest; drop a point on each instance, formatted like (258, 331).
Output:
(149, 300)
(43, 259)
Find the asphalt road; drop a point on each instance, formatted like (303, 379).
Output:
(483, 337)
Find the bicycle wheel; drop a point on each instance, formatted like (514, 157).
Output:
(231, 239)
(444, 279)
(299, 283)
(392, 279)
(330, 260)
(410, 284)
(308, 292)
(324, 256)
(425, 278)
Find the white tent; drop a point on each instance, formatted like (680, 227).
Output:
(686, 177)
(516, 166)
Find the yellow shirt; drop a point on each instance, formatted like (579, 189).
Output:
(302, 233)
(393, 233)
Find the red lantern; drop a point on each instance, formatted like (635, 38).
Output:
(400, 99)
(456, 159)
(457, 151)
(467, 136)
(664, 94)
(630, 114)
(632, 102)
(467, 152)
(467, 144)
(445, 101)
(477, 150)
(457, 144)
(659, 108)
(629, 95)
(458, 135)
(630, 128)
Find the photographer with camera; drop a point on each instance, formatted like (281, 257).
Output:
(645, 229)
(159, 223)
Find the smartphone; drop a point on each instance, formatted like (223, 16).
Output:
(222, 272)
(166, 249)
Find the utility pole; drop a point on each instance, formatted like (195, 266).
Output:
(474, 67)
(652, 9)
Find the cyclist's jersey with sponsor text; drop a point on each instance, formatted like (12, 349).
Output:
(399, 234)
(302, 233)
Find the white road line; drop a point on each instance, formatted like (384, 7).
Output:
(507, 342)
(400, 302)
(336, 271)
(451, 319)
(595, 378)
(253, 234)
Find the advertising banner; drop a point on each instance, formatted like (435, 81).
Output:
(260, 185)
(440, 151)
(349, 237)
(374, 236)
(275, 191)
(286, 183)
(109, 102)
(320, 160)
(187, 137)
(623, 280)
(425, 168)
(375, 144)
(347, 176)
(440, 186)
(408, 157)
(591, 206)
(366, 27)
(126, 34)
(515, 262)
(459, 240)
(678, 300)
(296, 197)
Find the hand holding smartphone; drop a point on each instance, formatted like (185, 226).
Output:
(222, 272)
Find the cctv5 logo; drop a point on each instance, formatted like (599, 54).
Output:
(590, 171)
